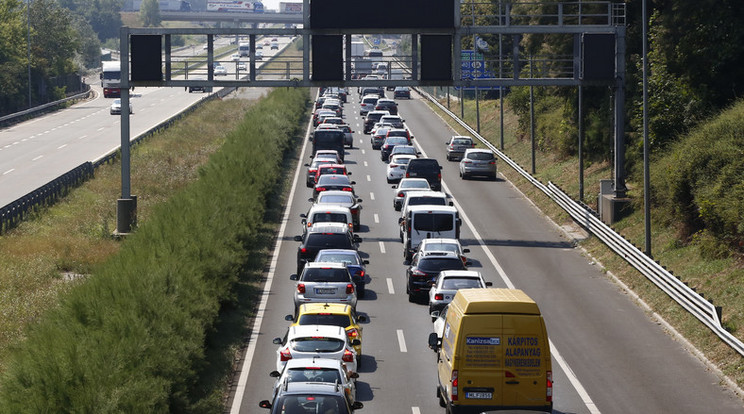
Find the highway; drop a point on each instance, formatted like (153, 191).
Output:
(608, 355)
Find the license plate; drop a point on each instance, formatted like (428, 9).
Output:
(479, 395)
(325, 291)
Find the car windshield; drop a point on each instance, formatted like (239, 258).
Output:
(314, 374)
(333, 179)
(460, 283)
(431, 264)
(414, 184)
(433, 222)
(324, 319)
(310, 404)
(317, 344)
(347, 259)
(336, 199)
(381, 133)
(480, 156)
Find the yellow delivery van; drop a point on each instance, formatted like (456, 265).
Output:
(493, 353)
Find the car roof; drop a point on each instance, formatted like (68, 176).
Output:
(409, 156)
(314, 362)
(329, 307)
(330, 331)
(312, 387)
(329, 227)
(337, 192)
(325, 265)
(334, 208)
(427, 193)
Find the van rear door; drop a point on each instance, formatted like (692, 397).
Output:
(526, 361)
(480, 374)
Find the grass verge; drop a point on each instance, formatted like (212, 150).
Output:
(715, 278)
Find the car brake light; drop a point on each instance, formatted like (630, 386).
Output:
(303, 250)
(417, 273)
(439, 176)
(349, 288)
(352, 333)
(353, 211)
(438, 296)
(467, 162)
(347, 189)
(285, 355)
(408, 175)
(348, 356)
(454, 385)
(320, 189)
(360, 273)
(401, 195)
(549, 391)
(492, 163)
(300, 288)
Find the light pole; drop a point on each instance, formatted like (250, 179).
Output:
(28, 47)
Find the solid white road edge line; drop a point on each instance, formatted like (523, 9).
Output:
(248, 357)
(554, 351)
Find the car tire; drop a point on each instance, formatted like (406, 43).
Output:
(465, 176)
(361, 290)
(411, 298)
(442, 403)
(389, 181)
(357, 227)
(449, 158)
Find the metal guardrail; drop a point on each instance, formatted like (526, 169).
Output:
(45, 106)
(686, 297)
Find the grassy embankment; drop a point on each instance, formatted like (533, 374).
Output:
(150, 324)
(715, 277)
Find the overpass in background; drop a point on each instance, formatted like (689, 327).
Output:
(205, 16)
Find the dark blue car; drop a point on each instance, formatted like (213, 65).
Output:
(352, 261)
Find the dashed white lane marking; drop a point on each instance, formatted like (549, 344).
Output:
(377, 218)
(100, 129)
(401, 341)
(39, 157)
(365, 164)
(363, 152)
(62, 146)
(382, 248)
(371, 196)
(369, 178)
(9, 171)
(415, 410)
(391, 290)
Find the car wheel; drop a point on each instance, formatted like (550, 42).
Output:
(359, 361)
(357, 226)
(360, 291)
(465, 176)
(442, 403)
(493, 177)
(449, 158)
(389, 181)
(411, 298)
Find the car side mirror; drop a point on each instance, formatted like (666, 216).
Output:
(434, 314)
(303, 215)
(489, 284)
(307, 165)
(311, 199)
(348, 172)
(354, 375)
(353, 183)
(289, 318)
(359, 200)
(434, 341)
(468, 263)
(365, 261)
(357, 239)
(400, 220)
(451, 203)
(357, 405)
(265, 404)
(298, 238)
(277, 341)
(275, 374)
(466, 250)
(293, 276)
(394, 186)
(440, 167)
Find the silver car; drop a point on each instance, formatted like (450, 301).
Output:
(307, 397)
(478, 162)
(449, 282)
(404, 186)
(457, 145)
(324, 370)
(324, 282)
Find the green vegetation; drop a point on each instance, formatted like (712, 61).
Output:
(145, 330)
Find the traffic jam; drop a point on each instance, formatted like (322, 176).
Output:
(319, 357)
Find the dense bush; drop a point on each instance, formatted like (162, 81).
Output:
(131, 337)
(700, 181)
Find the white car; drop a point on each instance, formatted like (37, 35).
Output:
(242, 66)
(447, 284)
(396, 168)
(404, 186)
(446, 245)
(235, 57)
(317, 370)
(316, 341)
(116, 107)
(220, 70)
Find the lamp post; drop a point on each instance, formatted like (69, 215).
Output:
(28, 47)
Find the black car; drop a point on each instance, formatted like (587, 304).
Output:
(324, 236)
(427, 168)
(372, 118)
(402, 92)
(424, 269)
(387, 105)
(329, 139)
(389, 144)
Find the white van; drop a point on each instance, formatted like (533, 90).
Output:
(426, 222)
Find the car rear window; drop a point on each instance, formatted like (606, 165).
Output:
(481, 156)
(414, 184)
(327, 241)
(461, 141)
(396, 140)
(316, 274)
(347, 259)
(328, 137)
(419, 201)
(430, 264)
(460, 283)
(433, 222)
(333, 179)
(314, 374)
(423, 164)
(329, 217)
(369, 100)
(336, 199)
(299, 403)
(325, 319)
(317, 344)
(401, 160)
(442, 247)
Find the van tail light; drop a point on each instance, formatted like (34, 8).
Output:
(360, 273)
(353, 333)
(454, 386)
(349, 288)
(285, 355)
(438, 296)
(348, 356)
(549, 390)
(300, 288)
(354, 211)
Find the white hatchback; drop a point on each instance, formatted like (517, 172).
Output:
(316, 341)
(396, 168)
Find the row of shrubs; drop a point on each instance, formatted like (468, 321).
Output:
(699, 182)
(131, 337)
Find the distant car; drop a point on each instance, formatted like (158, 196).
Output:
(322, 282)
(334, 314)
(296, 397)
(220, 71)
(457, 145)
(313, 341)
(260, 47)
(331, 169)
(274, 45)
(404, 186)
(477, 161)
(424, 269)
(116, 107)
(343, 198)
(396, 168)
(395, 120)
(235, 57)
(259, 55)
(367, 104)
(449, 282)
(378, 137)
(372, 118)
(400, 132)
(427, 168)
(387, 147)
(242, 66)
(353, 262)
(402, 92)
(316, 370)
(328, 155)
